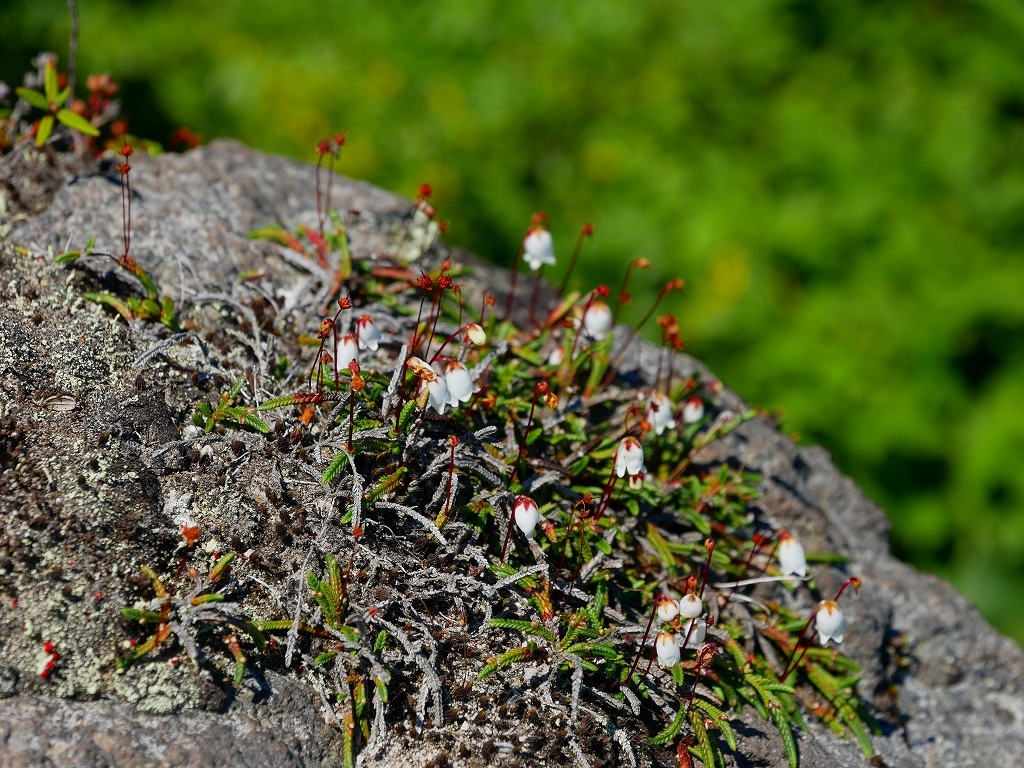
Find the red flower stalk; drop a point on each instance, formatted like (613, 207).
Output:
(443, 282)
(759, 542)
(647, 631)
(601, 290)
(473, 333)
(541, 389)
(538, 219)
(488, 301)
(709, 545)
(126, 201)
(624, 297)
(358, 382)
(453, 442)
(330, 146)
(587, 230)
(427, 285)
(584, 502)
(704, 657)
(325, 332)
(671, 285)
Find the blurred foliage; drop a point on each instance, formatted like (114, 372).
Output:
(840, 183)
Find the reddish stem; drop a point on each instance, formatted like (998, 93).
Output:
(672, 284)
(579, 330)
(585, 231)
(640, 651)
(759, 541)
(515, 278)
(623, 296)
(535, 294)
(537, 390)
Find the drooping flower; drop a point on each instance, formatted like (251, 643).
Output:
(557, 356)
(629, 457)
(698, 631)
(691, 606)
(346, 351)
(367, 333)
(527, 514)
(829, 622)
(597, 320)
(438, 396)
(792, 559)
(668, 649)
(459, 383)
(667, 607)
(476, 334)
(693, 410)
(538, 247)
(659, 413)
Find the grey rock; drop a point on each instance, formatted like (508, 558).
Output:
(949, 690)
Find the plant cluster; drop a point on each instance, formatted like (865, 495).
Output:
(530, 439)
(513, 450)
(811, 167)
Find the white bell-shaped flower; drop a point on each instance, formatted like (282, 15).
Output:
(366, 332)
(459, 383)
(668, 649)
(829, 622)
(693, 410)
(659, 413)
(557, 356)
(538, 248)
(527, 514)
(691, 606)
(439, 397)
(629, 458)
(597, 320)
(698, 631)
(666, 607)
(792, 559)
(345, 351)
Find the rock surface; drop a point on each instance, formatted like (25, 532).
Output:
(88, 493)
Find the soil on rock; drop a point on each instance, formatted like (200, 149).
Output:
(99, 475)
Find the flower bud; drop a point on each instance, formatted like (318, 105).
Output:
(526, 514)
(667, 608)
(691, 606)
(476, 334)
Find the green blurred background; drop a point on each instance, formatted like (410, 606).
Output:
(840, 183)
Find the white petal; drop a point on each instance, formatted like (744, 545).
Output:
(691, 606)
